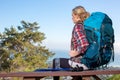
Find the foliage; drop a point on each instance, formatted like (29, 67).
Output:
(114, 77)
(21, 49)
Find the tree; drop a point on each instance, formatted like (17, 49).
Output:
(21, 49)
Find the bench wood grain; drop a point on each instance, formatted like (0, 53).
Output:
(38, 75)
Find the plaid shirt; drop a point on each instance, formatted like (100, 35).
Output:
(78, 40)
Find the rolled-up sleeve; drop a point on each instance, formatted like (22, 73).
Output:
(80, 41)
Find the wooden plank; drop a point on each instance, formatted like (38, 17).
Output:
(37, 75)
(60, 73)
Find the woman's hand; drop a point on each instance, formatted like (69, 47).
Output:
(73, 53)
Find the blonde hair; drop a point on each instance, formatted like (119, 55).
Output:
(81, 13)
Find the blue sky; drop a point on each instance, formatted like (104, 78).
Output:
(54, 17)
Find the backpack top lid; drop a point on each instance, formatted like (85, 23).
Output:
(94, 20)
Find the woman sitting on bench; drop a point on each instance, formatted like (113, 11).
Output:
(79, 43)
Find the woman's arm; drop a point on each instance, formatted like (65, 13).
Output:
(81, 39)
(80, 42)
(73, 53)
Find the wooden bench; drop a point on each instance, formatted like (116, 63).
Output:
(38, 75)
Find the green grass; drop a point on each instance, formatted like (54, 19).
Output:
(114, 77)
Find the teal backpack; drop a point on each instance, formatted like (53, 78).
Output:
(100, 35)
